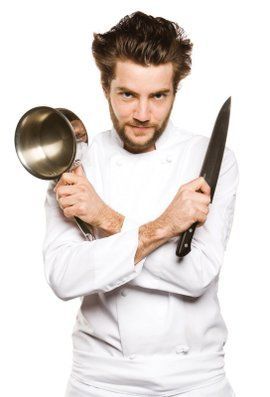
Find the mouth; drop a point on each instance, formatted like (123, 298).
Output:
(140, 127)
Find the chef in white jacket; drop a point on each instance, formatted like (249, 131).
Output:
(149, 323)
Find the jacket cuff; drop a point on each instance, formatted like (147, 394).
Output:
(129, 224)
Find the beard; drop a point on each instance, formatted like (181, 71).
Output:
(134, 146)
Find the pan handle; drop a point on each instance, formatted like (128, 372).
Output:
(85, 229)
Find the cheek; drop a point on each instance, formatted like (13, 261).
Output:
(122, 110)
(161, 110)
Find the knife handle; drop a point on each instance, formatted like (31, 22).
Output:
(184, 242)
(84, 228)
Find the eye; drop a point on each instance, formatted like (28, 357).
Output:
(159, 96)
(126, 95)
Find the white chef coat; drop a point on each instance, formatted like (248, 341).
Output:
(153, 328)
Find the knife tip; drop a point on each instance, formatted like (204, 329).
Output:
(227, 103)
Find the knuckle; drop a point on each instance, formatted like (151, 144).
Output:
(207, 199)
(188, 203)
(208, 187)
(185, 194)
(181, 189)
(81, 208)
(60, 191)
(66, 212)
(192, 212)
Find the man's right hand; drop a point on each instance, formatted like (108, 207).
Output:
(189, 205)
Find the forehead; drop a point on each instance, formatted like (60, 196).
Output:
(142, 78)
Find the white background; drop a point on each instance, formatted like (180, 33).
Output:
(46, 60)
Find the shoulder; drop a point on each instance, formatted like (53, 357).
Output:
(98, 143)
(198, 143)
(195, 148)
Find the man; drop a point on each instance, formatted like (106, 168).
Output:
(149, 322)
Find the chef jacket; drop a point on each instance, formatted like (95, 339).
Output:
(154, 327)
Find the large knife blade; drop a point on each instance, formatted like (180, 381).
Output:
(210, 168)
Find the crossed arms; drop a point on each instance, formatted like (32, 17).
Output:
(76, 268)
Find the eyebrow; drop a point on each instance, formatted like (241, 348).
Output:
(161, 91)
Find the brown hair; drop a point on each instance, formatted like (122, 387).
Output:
(144, 40)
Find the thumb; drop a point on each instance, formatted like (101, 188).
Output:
(200, 184)
(79, 171)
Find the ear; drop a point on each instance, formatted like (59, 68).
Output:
(78, 171)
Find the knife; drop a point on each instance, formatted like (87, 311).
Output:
(210, 168)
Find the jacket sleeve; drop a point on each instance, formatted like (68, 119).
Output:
(194, 273)
(75, 267)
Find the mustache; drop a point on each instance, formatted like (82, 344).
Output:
(141, 125)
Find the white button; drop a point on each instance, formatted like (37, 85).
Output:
(132, 356)
(167, 159)
(181, 349)
(124, 292)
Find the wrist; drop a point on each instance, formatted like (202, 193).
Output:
(110, 221)
(162, 228)
(151, 236)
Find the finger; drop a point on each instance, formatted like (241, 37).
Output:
(69, 178)
(199, 184)
(72, 210)
(69, 211)
(66, 190)
(57, 185)
(202, 209)
(78, 171)
(200, 224)
(201, 216)
(60, 182)
(65, 202)
(205, 188)
(201, 198)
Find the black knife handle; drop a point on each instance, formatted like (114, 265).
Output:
(184, 242)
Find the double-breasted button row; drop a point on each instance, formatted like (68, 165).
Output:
(167, 159)
(181, 349)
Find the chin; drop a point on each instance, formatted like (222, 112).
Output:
(140, 143)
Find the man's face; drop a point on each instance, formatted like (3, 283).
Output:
(140, 102)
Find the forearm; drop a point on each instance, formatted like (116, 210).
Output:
(111, 222)
(151, 236)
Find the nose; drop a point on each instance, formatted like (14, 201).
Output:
(142, 111)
